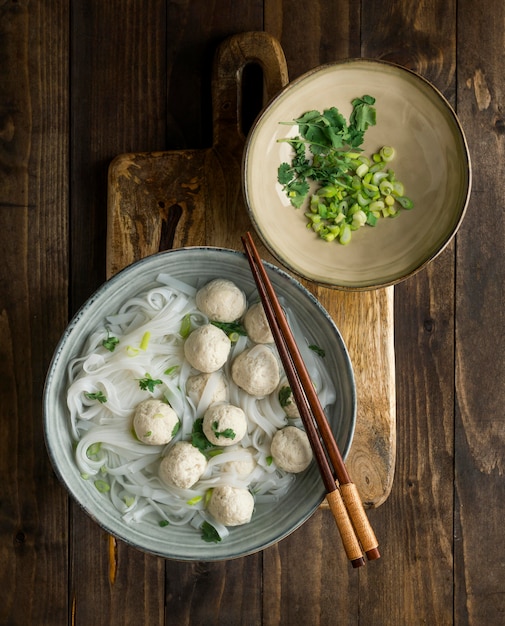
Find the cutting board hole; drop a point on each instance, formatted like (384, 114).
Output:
(252, 95)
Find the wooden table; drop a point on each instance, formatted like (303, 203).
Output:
(83, 82)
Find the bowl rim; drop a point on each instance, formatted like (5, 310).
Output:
(377, 284)
(114, 528)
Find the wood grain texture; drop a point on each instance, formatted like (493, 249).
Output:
(33, 307)
(72, 97)
(480, 365)
(424, 314)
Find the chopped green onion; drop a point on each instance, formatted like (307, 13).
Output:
(387, 153)
(194, 500)
(102, 486)
(145, 340)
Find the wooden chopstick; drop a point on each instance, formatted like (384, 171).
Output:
(343, 497)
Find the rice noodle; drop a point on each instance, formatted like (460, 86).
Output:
(150, 344)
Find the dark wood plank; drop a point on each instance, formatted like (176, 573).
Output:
(480, 343)
(118, 100)
(417, 519)
(33, 305)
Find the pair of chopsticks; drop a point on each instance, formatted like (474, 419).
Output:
(341, 493)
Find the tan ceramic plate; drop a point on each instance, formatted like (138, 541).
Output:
(432, 161)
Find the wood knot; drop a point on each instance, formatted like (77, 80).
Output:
(428, 325)
(19, 538)
(7, 128)
(500, 126)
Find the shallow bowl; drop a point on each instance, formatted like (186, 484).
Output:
(270, 523)
(432, 161)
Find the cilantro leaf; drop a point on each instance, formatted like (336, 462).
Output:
(363, 114)
(209, 533)
(285, 395)
(227, 433)
(148, 383)
(99, 395)
(198, 438)
(110, 343)
(285, 173)
(231, 328)
(176, 428)
(319, 351)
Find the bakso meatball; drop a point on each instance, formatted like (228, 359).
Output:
(256, 371)
(195, 387)
(291, 449)
(155, 422)
(256, 324)
(207, 348)
(244, 466)
(183, 466)
(231, 506)
(287, 400)
(224, 424)
(221, 300)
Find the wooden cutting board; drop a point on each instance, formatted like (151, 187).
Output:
(163, 200)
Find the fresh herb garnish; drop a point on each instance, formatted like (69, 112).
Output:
(234, 330)
(171, 370)
(353, 190)
(319, 351)
(198, 438)
(285, 395)
(110, 343)
(163, 523)
(227, 433)
(149, 383)
(99, 395)
(209, 533)
(176, 429)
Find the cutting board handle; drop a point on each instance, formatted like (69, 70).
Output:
(231, 58)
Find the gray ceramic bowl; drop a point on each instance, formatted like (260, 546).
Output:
(432, 161)
(270, 523)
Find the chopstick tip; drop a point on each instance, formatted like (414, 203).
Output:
(373, 554)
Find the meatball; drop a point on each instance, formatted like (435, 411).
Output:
(256, 371)
(155, 422)
(207, 348)
(221, 300)
(195, 387)
(256, 324)
(224, 424)
(231, 506)
(287, 400)
(291, 449)
(183, 466)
